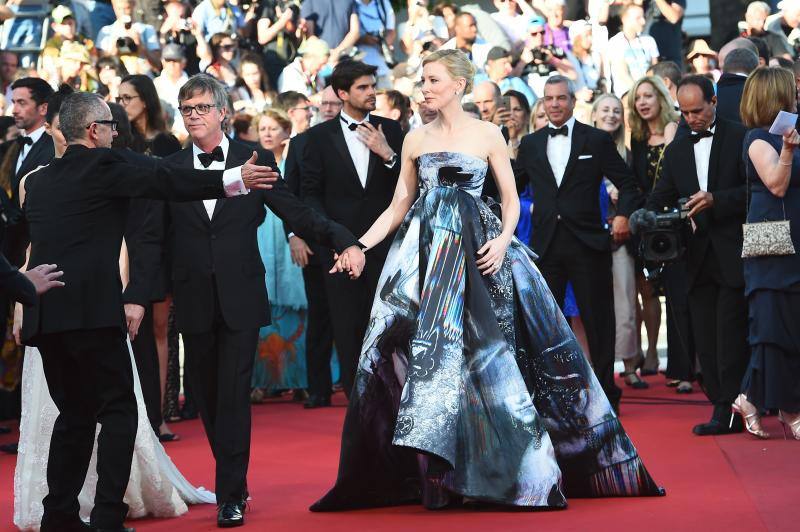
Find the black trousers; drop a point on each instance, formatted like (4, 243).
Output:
(719, 318)
(350, 305)
(146, 356)
(570, 260)
(90, 379)
(319, 333)
(219, 367)
(680, 339)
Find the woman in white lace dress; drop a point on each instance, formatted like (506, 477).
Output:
(156, 487)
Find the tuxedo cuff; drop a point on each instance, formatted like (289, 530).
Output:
(232, 182)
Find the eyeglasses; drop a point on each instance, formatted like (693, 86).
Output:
(125, 99)
(309, 108)
(201, 108)
(228, 47)
(110, 123)
(536, 33)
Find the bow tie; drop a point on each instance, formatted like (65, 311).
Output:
(22, 141)
(352, 126)
(207, 158)
(695, 137)
(555, 131)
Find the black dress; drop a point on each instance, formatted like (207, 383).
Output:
(772, 287)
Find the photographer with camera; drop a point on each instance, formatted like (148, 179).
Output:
(706, 167)
(376, 42)
(629, 52)
(179, 29)
(128, 38)
(540, 61)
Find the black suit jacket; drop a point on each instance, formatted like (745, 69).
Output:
(575, 203)
(16, 238)
(76, 210)
(330, 182)
(729, 95)
(220, 255)
(15, 285)
(719, 228)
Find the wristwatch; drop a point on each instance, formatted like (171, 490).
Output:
(392, 160)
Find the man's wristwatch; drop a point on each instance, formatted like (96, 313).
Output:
(391, 162)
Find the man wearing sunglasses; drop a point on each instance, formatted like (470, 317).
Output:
(76, 208)
(219, 289)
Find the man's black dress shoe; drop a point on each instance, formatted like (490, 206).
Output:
(720, 423)
(188, 412)
(230, 514)
(317, 401)
(9, 448)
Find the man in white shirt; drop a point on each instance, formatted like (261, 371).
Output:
(629, 52)
(467, 40)
(171, 79)
(143, 37)
(301, 74)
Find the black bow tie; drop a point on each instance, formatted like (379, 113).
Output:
(352, 126)
(696, 136)
(22, 141)
(207, 158)
(555, 131)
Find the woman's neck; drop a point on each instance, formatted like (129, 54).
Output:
(654, 128)
(451, 117)
(278, 153)
(141, 125)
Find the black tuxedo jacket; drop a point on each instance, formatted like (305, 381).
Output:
(575, 203)
(330, 182)
(220, 255)
(76, 210)
(16, 239)
(14, 285)
(719, 227)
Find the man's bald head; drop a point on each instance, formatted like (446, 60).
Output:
(739, 42)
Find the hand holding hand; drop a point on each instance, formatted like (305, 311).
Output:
(133, 316)
(491, 255)
(299, 250)
(256, 176)
(375, 140)
(44, 277)
(699, 201)
(351, 260)
(620, 229)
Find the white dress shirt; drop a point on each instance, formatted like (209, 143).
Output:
(359, 152)
(231, 178)
(35, 135)
(558, 150)
(702, 154)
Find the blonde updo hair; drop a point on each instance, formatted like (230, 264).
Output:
(457, 64)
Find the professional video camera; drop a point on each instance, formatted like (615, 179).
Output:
(662, 236)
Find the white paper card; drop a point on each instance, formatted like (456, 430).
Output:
(783, 123)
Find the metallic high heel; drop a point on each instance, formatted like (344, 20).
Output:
(790, 421)
(749, 413)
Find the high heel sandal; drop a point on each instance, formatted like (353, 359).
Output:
(634, 381)
(647, 371)
(637, 366)
(791, 422)
(749, 413)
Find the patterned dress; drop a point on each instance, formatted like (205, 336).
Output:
(469, 385)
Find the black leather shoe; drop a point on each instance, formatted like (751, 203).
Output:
(188, 412)
(721, 423)
(230, 514)
(9, 448)
(317, 401)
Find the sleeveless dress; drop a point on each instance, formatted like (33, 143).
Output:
(156, 488)
(468, 385)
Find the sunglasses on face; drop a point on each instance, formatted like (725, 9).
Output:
(110, 123)
(228, 47)
(536, 33)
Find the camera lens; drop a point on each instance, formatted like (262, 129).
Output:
(661, 244)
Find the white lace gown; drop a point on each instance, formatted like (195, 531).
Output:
(156, 487)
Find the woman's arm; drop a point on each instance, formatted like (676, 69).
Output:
(774, 169)
(493, 251)
(267, 31)
(404, 194)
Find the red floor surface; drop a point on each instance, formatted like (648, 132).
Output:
(713, 484)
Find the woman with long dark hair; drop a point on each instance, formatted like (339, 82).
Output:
(218, 65)
(252, 91)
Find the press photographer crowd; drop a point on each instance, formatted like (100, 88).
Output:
(650, 168)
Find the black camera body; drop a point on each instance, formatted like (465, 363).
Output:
(663, 237)
(541, 60)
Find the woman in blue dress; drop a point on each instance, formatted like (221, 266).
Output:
(280, 360)
(470, 383)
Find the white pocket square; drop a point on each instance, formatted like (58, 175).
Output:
(581, 157)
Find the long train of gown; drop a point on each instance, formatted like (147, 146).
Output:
(156, 488)
(473, 385)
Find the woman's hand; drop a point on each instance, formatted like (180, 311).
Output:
(17, 322)
(791, 139)
(492, 253)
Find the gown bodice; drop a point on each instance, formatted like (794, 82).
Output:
(451, 169)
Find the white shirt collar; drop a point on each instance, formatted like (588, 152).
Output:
(223, 144)
(351, 120)
(36, 134)
(569, 123)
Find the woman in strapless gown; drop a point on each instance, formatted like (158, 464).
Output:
(471, 386)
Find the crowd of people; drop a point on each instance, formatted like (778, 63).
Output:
(611, 121)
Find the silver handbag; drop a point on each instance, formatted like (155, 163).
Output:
(766, 239)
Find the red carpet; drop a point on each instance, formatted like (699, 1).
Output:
(726, 483)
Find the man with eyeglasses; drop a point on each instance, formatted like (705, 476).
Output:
(219, 289)
(298, 108)
(76, 208)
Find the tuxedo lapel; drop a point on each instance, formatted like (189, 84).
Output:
(341, 148)
(578, 140)
(540, 145)
(32, 157)
(231, 161)
(713, 160)
(373, 158)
